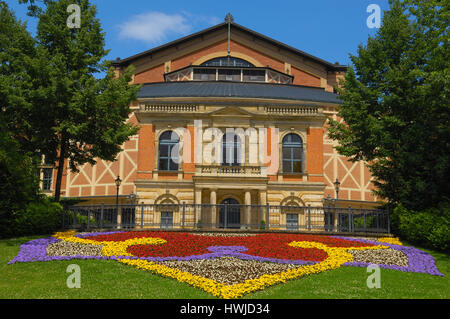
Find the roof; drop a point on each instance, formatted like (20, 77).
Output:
(237, 90)
(129, 60)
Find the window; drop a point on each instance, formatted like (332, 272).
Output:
(168, 151)
(231, 149)
(254, 75)
(47, 179)
(292, 150)
(204, 74)
(229, 75)
(227, 61)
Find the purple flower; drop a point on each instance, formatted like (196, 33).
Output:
(419, 261)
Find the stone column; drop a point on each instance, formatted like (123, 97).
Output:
(198, 208)
(263, 201)
(335, 221)
(248, 201)
(213, 201)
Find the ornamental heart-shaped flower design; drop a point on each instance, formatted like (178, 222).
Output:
(225, 264)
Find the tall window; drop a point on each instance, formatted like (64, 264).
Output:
(231, 149)
(292, 150)
(47, 179)
(168, 151)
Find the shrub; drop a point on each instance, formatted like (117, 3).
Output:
(80, 219)
(37, 218)
(262, 225)
(430, 227)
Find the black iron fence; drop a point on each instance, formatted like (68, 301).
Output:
(226, 216)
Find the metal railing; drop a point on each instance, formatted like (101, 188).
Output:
(226, 216)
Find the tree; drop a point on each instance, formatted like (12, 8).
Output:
(19, 86)
(85, 117)
(17, 48)
(396, 106)
(21, 72)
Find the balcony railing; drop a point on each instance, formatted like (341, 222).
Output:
(168, 108)
(305, 110)
(230, 171)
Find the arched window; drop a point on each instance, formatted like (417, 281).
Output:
(168, 151)
(292, 151)
(227, 61)
(231, 149)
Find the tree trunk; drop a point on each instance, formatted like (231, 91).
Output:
(60, 170)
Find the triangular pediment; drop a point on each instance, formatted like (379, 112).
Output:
(215, 34)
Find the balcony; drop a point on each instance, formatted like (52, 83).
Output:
(228, 171)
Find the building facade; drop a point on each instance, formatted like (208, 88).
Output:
(228, 115)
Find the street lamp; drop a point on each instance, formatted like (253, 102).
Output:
(117, 181)
(337, 184)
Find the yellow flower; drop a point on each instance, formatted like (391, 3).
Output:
(112, 248)
(390, 240)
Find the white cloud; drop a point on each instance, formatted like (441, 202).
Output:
(155, 27)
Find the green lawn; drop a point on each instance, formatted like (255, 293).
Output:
(109, 279)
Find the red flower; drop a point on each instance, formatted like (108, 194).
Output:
(271, 245)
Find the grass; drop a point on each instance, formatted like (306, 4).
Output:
(106, 279)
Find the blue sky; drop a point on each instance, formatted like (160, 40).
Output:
(328, 29)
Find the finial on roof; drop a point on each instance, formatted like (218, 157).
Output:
(229, 18)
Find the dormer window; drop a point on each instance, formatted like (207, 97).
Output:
(254, 75)
(229, 75)
(238, 70)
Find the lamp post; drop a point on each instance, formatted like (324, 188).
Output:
(117, 181)
(337, 184)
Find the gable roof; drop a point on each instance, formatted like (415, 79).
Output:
(330, 66)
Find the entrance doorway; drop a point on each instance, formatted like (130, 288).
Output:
(166, 219)
(292, 221)
(230, 214)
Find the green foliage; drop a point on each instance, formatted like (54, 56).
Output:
(53, 103)
(81, 220)
(38, 218)
(88, 114)
(429, 228)
(20, 82)
(370, 221)
(19, 185)
(262, 225)
(396, 109)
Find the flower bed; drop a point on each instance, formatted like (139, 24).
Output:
(229, 266)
